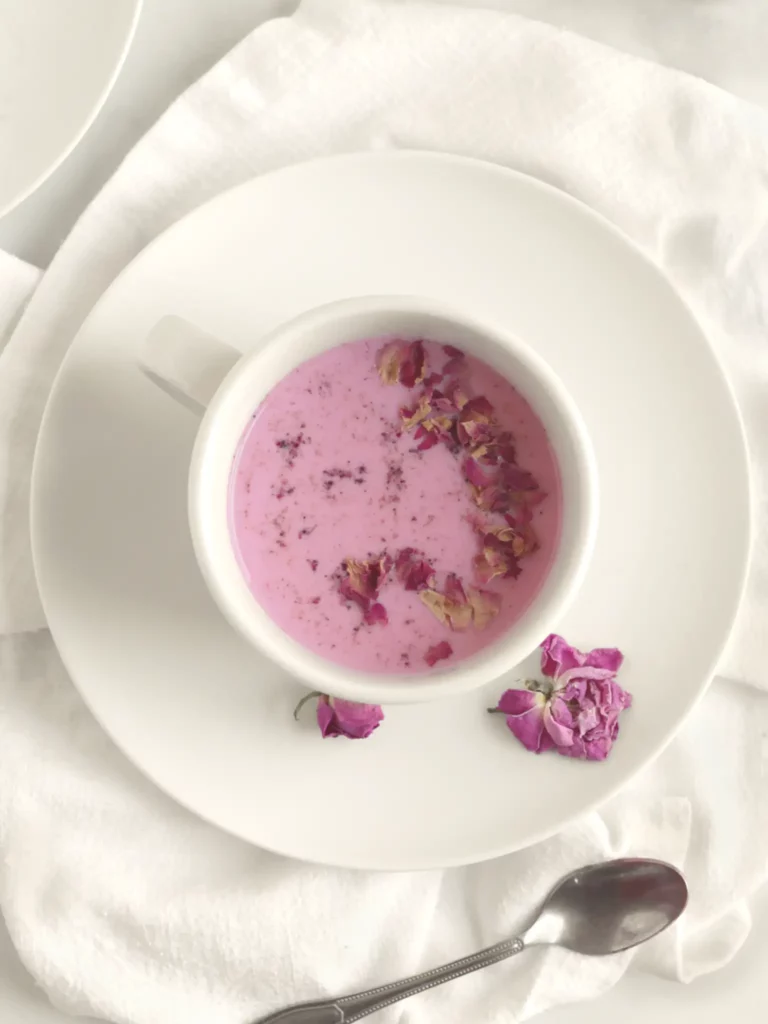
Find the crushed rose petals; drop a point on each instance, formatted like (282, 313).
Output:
(336, 717)
(443, 413)
(359, 583)
(412, 570)
(438, 652)
(401, 362)
(468, 427)
(455, 614)
(575, 709)
(485, 605)
(496, 558)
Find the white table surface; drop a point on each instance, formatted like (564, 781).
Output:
(722, 40)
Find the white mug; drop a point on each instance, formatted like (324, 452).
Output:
(225, 388)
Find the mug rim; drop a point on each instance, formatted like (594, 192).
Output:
(228, 585)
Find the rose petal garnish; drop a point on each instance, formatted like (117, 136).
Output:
(413, 571)
(388, 360)
(453, 589)
(438, 653)
(412, 417)
(578, 716)
(337, 717)
(474, 473)
(376, 614)
(524, 714)
(429, 441)
(455, 367)
(350, 594)
(365, 578)
(485, 606)
(438, 423)
(414, 367)
(516, 479)
(455, 614)
(475, 421)
(454, 394)
(492, 498)
(524, 540)
(505, 447)
(401, 362)
(559, 658)
(452, 352)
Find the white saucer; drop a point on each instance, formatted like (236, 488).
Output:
(58, 62)
(209, 720)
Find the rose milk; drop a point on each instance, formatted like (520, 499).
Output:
(327, 477)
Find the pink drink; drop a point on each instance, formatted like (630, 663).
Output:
(326, 472)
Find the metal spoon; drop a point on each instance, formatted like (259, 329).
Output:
(597, 910)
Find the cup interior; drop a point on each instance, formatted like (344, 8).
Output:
(312, 333)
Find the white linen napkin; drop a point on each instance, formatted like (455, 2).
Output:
(124, 906)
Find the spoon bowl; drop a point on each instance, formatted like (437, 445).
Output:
(607, 908)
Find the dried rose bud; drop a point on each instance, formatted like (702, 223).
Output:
(577, 713)
(337, 717)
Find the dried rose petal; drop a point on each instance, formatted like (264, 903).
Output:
(454, 394)
(516, 479)
(453, 589)
(492, 498)
(365, 578)
(429, 441)
(505, 447)
(438, 653)
(337, 717)
(401, 362)
(412, 417)
(485, 606)
(559, 658)
(504, 534)
(439, 423)
(452, 352)
(414, 367)
(388, 360)
(413, 571)
(473, 433)
(376, 614)
(361, 586)
(524, 712)
(349, 594)
(455, 614)
(474, 473)
(497, 556)
(476, 421)
(524, 540)
(455, 367)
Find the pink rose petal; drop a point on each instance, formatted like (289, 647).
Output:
(438, 653)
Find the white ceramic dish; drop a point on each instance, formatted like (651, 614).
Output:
(194, 367)
(58, 62)
(191, 703)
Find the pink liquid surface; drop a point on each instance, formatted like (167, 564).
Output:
(324, 473)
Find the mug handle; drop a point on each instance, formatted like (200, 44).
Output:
(187, 363)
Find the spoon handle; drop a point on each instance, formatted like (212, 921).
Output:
(351, 1008)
